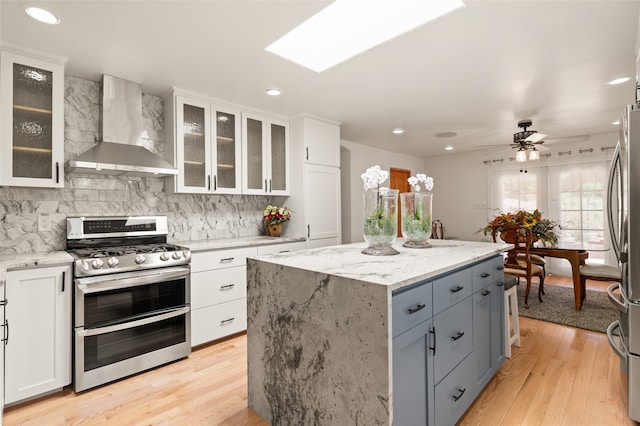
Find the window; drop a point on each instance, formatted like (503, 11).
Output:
(514, 191)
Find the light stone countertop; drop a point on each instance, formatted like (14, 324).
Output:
(408, 267)
(29, 260)
(230, 243)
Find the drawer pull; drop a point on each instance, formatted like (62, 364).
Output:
(226, 287)
(460, 393)
(226, 260)
(418, 307)
(433, 348)
(485, 275)
(500, 283)
(457, 289)
(284, 251)
(227, 321)
(486, 292)
(457, 336)
(500, 268)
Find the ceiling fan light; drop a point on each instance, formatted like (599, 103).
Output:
(534, 154)
(521, 155)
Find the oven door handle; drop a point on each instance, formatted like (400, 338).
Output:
(92, 285)
(131, 324)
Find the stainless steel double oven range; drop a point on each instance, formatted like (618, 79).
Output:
(131, 297)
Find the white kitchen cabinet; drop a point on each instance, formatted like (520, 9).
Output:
(321, 140)
(265, 155)
(2, 344)
(32, 135)
(38, 330)
(218, 293)
(281, 248)
(203, 141)
(322, 205)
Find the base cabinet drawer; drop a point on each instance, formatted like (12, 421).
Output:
(217, 321)
(281, 248)
(455, 393)
(454, 337)
(218, 286)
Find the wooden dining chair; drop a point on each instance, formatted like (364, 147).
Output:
(535, 259)
(519, 264)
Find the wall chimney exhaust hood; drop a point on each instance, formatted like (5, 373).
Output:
(119, 152)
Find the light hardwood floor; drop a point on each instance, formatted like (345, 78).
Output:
(559, 376)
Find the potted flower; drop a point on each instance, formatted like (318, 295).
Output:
(273, 217)
(544, 229)
(416, 212)
(380, 227)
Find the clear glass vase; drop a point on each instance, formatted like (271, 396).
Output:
(416, 218)
(380, 221)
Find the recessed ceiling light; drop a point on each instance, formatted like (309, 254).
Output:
(42, 15)
(273, 91)
(619, 80)
(347, 28)
(398, 131)
(448, 148)
(615, 123)
(445, 135)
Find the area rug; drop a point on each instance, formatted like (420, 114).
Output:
(559, 307)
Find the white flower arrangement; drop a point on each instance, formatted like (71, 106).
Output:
(415, 181)
(374, 177)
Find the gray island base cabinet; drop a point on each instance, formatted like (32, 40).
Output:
(338, 337)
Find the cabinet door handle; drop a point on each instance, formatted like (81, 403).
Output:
(500, 283)
(227, 321)
(269, 185)
(457, 336)
(433, 348)
(64, 278)
(308, 231)
(500, 268)
(208, 182)
(226, 260)
(460, 393)
(485, 275)
(215, 182)
(57, 172)
(307, 153)
(265, 186)
(418, 307)
(227, 287)
(456, 289)
(6, 334)
(486, 292)
(3, 302)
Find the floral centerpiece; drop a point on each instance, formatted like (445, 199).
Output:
(545, 229)
(380, 226)
(416, 212)
(273, 217)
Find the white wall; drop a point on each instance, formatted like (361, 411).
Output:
(355, 159)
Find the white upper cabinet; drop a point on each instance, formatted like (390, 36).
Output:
(265, 147)
(32, 135)
(322, 142)
(203, 142)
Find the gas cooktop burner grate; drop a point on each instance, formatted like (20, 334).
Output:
(99, 252)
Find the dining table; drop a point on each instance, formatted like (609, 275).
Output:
(576, 255)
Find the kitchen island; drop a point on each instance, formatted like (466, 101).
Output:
(338, 337)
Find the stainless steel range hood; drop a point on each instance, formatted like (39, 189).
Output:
(119, 152)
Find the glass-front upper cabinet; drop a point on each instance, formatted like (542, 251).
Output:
(32, 135)
(203, 142)
(265, 147)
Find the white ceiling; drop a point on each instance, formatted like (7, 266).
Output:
(476, 71)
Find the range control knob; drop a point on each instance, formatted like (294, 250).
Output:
(176, 255)
(164, 256)
(140, 259)
(186, 254)
(97, 263)
(112, 262)
(84, 264)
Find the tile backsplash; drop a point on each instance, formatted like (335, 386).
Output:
(190, 217)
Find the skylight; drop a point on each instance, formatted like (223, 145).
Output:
(347, 28)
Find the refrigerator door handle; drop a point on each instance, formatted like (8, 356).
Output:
(621, 352)
(623, 305)
(615, 161)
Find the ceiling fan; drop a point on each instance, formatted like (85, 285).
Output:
(528, 140)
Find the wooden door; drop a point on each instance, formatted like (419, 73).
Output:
(398, 180)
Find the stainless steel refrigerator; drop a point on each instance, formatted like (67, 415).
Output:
(623, 201)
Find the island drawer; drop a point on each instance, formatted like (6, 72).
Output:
(455, 393)
(217, 321)
(218, 286)
(281, 248)
(208, 260)
(411, 307)
(451, 289)
(483, 274)
(454, 337)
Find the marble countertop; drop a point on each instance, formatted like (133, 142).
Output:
(227, 243)
(29, 260)
(408, 267)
